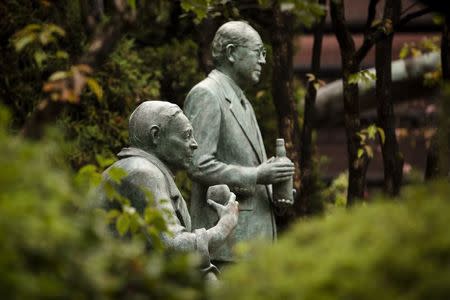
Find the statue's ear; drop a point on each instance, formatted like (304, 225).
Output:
(155, 135)
(230, 52)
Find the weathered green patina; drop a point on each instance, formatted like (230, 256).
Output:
(162, 142)
(230, 146)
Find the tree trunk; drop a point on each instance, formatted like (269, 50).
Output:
(392, 158)
(91, 12)
(306, 164)
(282, 92)
(444, 116)
(203, 37)
(437, 157)
(432, 165)
(350, 65)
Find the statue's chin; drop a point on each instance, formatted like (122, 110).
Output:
(187, 163)
(255, 77)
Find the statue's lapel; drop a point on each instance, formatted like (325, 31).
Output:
(238, 112)
(262, 149)
(176, 199)
(244, 122)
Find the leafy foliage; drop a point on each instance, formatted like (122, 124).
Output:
(306, 11)
(426, 45)
(367, 134)
(54, 246)
(336, 194)
(198, 7)
(388, 250)
(39, 36)
(364, 76)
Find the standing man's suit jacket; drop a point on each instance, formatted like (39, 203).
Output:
(230, 147)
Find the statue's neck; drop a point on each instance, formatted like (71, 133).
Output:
(229, 71)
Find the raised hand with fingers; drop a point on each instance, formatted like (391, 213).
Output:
(228, 218)
(230, 211)
(271, 171)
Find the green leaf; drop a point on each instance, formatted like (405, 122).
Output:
(372, 131)
(59, 75)
(354, 78)
(104, 162)
(95, 179)
(265, 3)
(22, 42)
(154, 217)
(117, 174)
(198, 7)
(360, 152)
(62, 54)
(362, 137)
(134, 223)
(376, 22)
(52, 28)
(438, 19)
(154, 235)
(112, 214)
(122, 224)
(88, 169)
(30, 28)
(404, 52)
(132, 4)
(109, 191)
(45, 37)
(371, 75)
(39, 57)
(149, 196)
(415, 52)
(95, 87)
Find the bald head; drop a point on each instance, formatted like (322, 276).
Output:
(233, 32)
(147, 115)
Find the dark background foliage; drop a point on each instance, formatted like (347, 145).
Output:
(54, 245)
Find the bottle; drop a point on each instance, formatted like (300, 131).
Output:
(282, 190)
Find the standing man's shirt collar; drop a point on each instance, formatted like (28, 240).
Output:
(239, 92)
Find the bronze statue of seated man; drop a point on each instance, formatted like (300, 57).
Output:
(161, 142)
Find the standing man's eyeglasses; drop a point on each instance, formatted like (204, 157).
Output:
(261, 51)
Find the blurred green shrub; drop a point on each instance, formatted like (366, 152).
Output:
(53, 247)
(388, 250)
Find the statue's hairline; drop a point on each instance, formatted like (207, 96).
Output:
(136, 134)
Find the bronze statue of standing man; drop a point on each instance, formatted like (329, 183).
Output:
(230, 147)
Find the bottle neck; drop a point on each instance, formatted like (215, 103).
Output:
(280, 149)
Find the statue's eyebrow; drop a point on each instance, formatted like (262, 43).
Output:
(188, 130)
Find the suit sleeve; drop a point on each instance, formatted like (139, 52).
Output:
(203, 109)
(177, 237)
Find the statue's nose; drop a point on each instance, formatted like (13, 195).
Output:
(262, 60)
(194, 144)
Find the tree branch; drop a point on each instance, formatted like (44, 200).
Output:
(343, 35)
(403, 21)
(377, 34)
(306, 164)
(371, 14)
